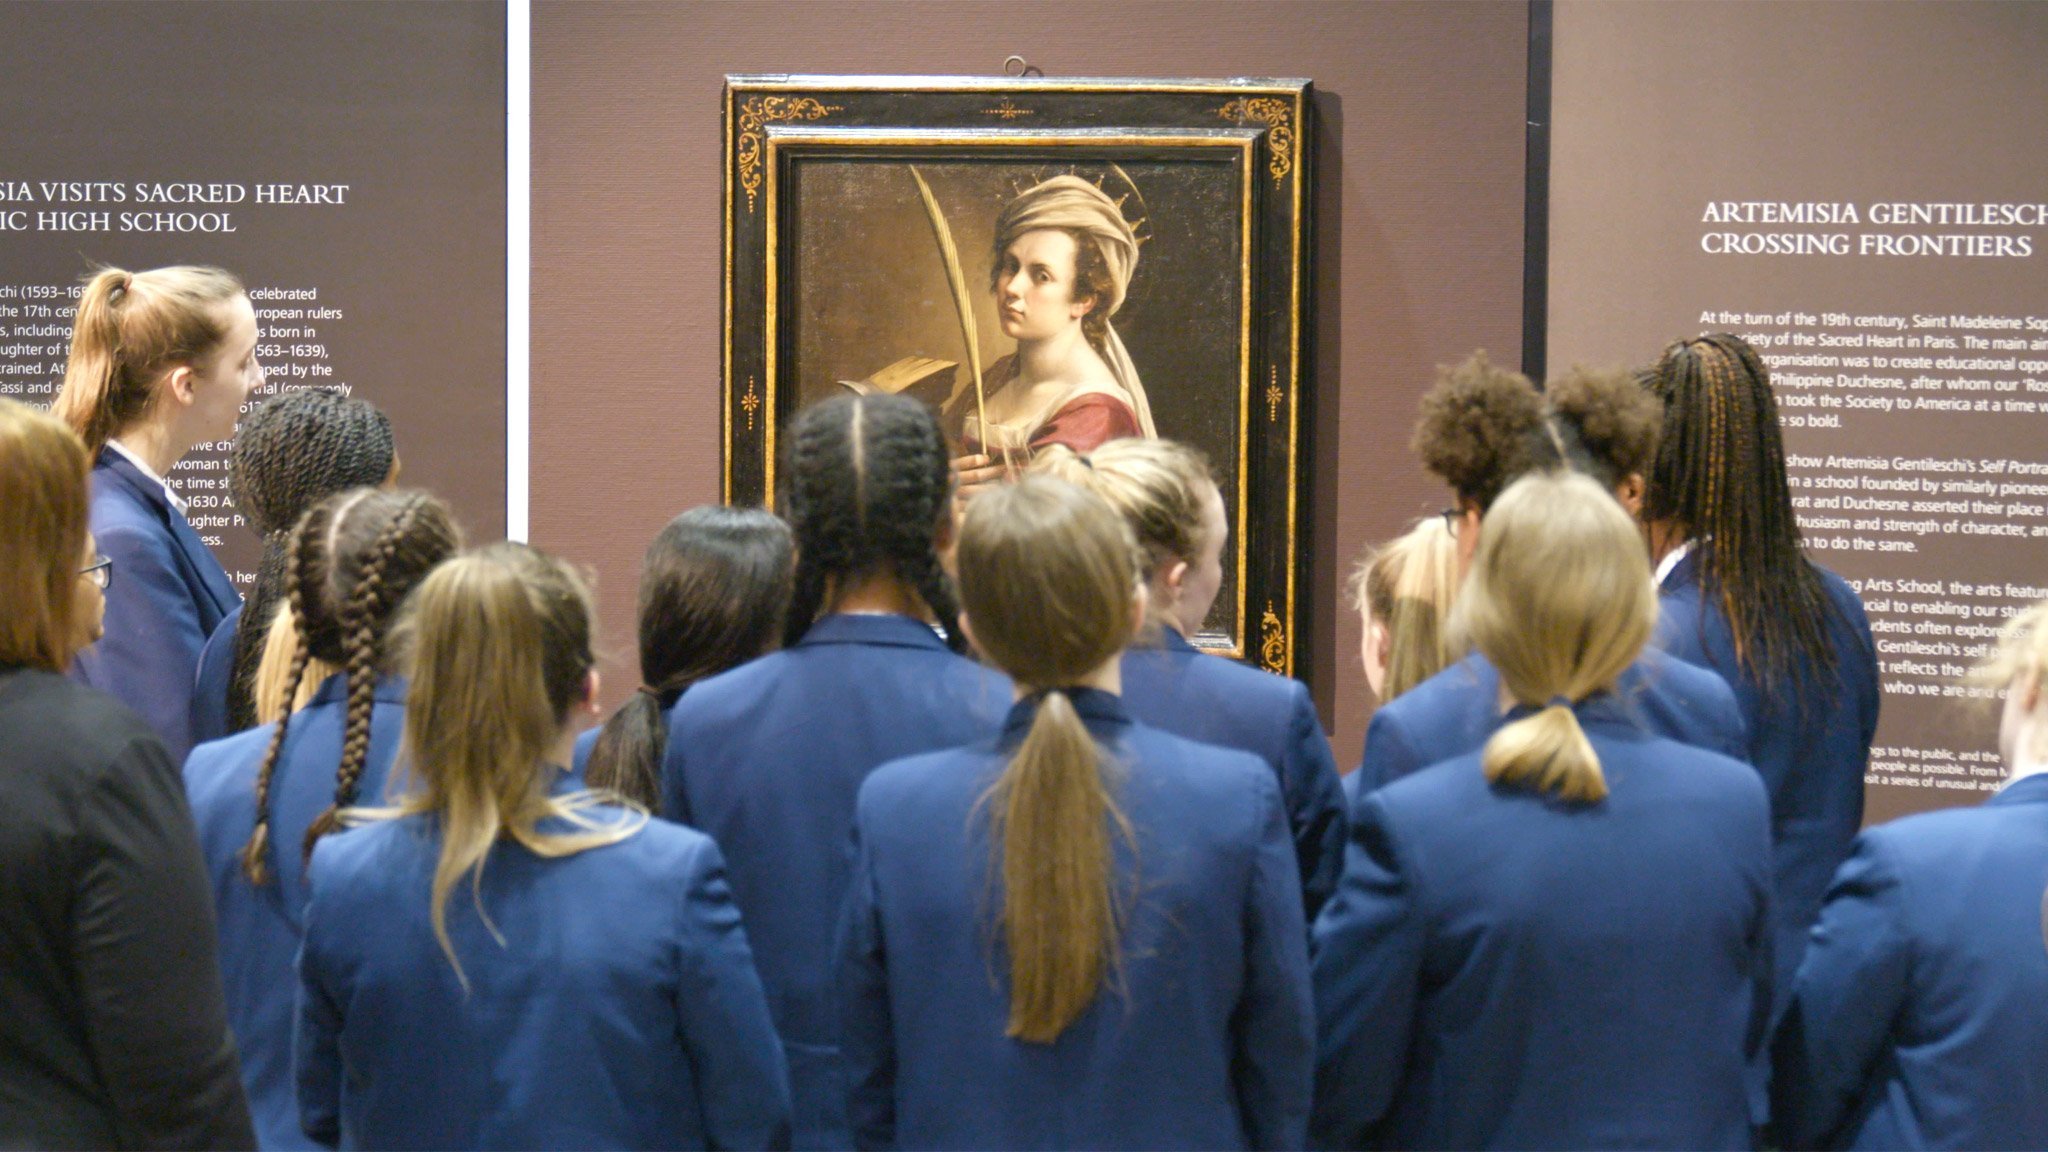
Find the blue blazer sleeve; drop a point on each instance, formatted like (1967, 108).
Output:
(867, 1037)
(149, 656)
(1368, 960)
(210, 684)
(742, 1083)
(316, 1036)
(1274, 1026)
(1851, 986)
(1316, 802)
(1389, 753)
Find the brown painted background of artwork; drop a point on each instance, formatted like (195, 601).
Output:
(1420, 111)
(871, 289)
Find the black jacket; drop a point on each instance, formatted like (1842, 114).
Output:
(112, 1030)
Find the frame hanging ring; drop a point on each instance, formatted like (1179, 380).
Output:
(1018, 66)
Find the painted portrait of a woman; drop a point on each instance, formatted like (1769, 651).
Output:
(1063, 258)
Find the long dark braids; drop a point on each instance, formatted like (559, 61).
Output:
(1720, 479)
(714, 591)
(868, 480)
(350, 562)
(291, 452)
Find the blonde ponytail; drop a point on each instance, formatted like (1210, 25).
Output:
(129, 328)
(1561, 602)
(1048, 575)
(501, 649)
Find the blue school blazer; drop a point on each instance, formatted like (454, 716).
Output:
(1200, 697)
(1920, 1016)
(1811, 748)
(168, 596)
(767, 759)
(611, 1000)
(1456, 710)
(210, 684)
(1209, 1040)
(260, 928)
(1501, 969)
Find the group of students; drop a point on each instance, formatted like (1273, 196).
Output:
(928, 826)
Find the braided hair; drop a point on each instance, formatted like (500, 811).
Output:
(714, 589)
(292, 451)
(869, 482)
(1720, 478)
(349, 564)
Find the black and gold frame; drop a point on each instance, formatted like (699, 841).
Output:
(834, 272)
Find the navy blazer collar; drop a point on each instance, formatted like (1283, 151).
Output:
(1685, 572)
(1602, 709)
(860, 628)
(133, 478)
(334, 690)
(1097, 709)
(2025, 790)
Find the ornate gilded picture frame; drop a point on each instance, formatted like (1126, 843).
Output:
(1043, 261)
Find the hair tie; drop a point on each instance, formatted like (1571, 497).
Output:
(649, 692)
(1560, 701)
(1090, 464)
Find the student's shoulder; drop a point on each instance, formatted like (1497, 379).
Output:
(221, 765)
(1706, 775)
(1465, 685)
(1199, 769)
(928, 776)
(72, 727)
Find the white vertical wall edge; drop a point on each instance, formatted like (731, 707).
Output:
(518, 263)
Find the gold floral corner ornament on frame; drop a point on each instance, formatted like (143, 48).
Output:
(860, 233)
(756, 114)
(1275, 115)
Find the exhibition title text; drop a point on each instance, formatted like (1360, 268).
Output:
(1911, 229)
(146, 206)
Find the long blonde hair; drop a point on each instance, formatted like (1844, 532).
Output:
(1047, 577)
(1408, 586)
(43, 507)
(272, 688)
(1561, 602)
(130, 328)
(500, 651)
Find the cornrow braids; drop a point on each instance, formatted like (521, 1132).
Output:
(869, 479)
(1719, 477)
(255, 862)
(291, 452)
(384, 544)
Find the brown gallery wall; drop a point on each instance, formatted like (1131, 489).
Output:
(1419, 256)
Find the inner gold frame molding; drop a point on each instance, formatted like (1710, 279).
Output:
(1262, 124)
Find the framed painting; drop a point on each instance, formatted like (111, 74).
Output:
(1042, 261)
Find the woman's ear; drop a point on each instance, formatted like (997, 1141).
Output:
(1171, 579)
(1630, 493)
(178, 383)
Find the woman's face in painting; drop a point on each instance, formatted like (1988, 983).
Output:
(1034, 286)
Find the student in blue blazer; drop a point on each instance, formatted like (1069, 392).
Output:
(160, 361)
(1167, 494)
(1739, 598)
(1562, 941)
(507, 961)
(1920, 1016)
(1084, 933)
(261, 797)
(767, 758)
(714, 594)
(1481, 429)
(292, 451)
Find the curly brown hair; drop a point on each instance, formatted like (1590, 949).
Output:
(1607, 423)
(1480, 428)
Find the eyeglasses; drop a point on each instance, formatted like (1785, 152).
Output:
(100, 572)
